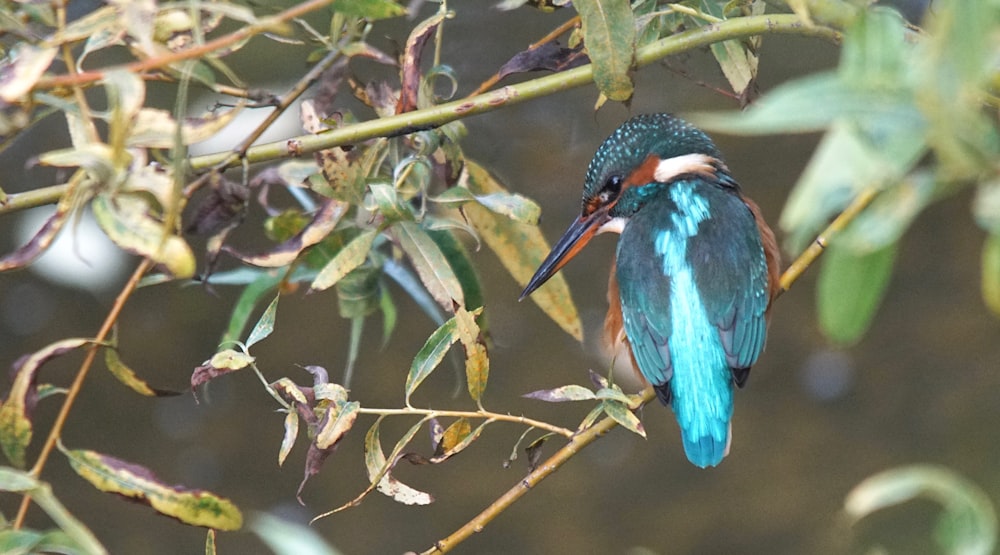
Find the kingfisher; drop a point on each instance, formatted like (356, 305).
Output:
(695, 270)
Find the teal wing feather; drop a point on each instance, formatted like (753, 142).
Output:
(693, 288)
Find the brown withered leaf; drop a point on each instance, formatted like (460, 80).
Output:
(223, 362)
(534, 452)
(222, 208)
(547, 57)
(380, 96)
(410, 73)
(328, 86)
(314, 462)
(319, 227)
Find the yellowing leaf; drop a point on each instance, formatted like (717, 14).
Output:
(477, 363)
(288, 439)
(126, 221)
(521, 249)
(379, 468)
(15, 412)
(336, 423)
(623, 416)
(127, 376)
(190, 506)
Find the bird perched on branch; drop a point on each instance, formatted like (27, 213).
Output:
(695, 272)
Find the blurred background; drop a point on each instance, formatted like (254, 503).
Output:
(812, 422)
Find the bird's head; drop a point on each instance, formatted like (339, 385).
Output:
(641, 157)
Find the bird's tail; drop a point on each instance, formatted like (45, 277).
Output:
(706, 449)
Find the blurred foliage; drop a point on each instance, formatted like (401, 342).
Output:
(910, 112)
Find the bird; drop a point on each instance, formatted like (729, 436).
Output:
(696, 269)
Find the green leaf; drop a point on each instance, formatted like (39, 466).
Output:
(623, 416)
(828, 184)
(850, 289)
(263, 284)
(190, 506)
(369, 9)
(345, 261)
(991, 273)
(609, 35)
(126, 221)
(968, 520)
(387, 202)
(284, 537)
(80, 538)
(265, 325)
(358, 292)
(811, 104)
(430, 264)
(885, 220)
(458, 259)
(430, 356)
(432, 353)
(521, 249)
(875, 50)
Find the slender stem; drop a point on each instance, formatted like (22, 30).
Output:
(195, 52)
(74, 389)
(473, 414)
(436, 116)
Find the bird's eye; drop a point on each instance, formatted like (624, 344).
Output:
(612, 188)
(613, 185)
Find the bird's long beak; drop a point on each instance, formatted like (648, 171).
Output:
(580, 232)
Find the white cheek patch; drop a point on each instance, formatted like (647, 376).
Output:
(614, 225)
(670, 168)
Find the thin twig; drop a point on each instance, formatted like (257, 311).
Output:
(81, 374)
(485, 414)
(195, 52)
